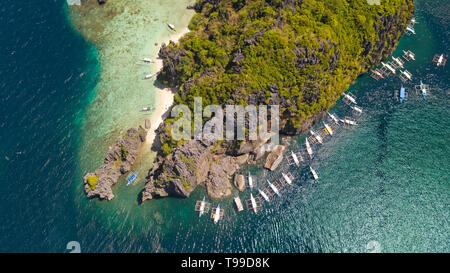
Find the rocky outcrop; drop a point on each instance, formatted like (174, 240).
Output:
(197, 163)
(118, 161)
(239, 182)
(274, 158)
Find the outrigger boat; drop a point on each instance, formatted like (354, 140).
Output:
(409, 55)
(333, 117)
(254, 206)
(316, 136)
(147, 60)
(308, 148)
(327, 129)
(275, 190)
(149, 76)
(250, 181)
(202, 207)
(398, 62)
(376, 74)
(405, 75)
(410, 30)
(264, 195)
(132, 178)
(295, 159)
(314, 174)
(217, 214)
(148, 108)
(287, 179)
(348, 121)
(388, 66)
(439, 60)
(349, 98)
(423, 89)
(356, 109)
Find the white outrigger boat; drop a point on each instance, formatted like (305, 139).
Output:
(264, 195)
(308, 148)
(328, 129)
(275, 190)
(202, 207)
(356, 109)
(254, 206)
(217, 214)
(388, 66)
(349, 98)
(149, 76)
(439, 60)
(316, 136)
(398, 62)
(423, 88)
(147, 60)
(409, 55)
(250, 181)
(295, 159)
(410, 30)
(348, 121)
(314, 174)
(405, 75)
(287, 179)
(334, 117)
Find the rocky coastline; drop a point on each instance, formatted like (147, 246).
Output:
(118, 161)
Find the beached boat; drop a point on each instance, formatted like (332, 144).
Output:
(254, 206)
(147, 60)
(202, 207)
(172, 27)
(149, 76)
(264, 195)
(275, 190)
(132, 178)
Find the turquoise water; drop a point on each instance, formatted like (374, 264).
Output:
(385, 180)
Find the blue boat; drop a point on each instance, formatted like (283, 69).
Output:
(132, 178)
(402, 94)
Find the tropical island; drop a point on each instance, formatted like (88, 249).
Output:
(301, 55)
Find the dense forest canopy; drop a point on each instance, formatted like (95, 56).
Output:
(300, 54)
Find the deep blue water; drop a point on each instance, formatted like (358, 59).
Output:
(386, 180)
(46, 73)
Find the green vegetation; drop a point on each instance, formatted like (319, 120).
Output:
(301, 54)
(92, 181)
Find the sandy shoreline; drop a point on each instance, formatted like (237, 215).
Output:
(164, 97)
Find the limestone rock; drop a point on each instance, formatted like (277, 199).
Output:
(239, 182)
(274, 158)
